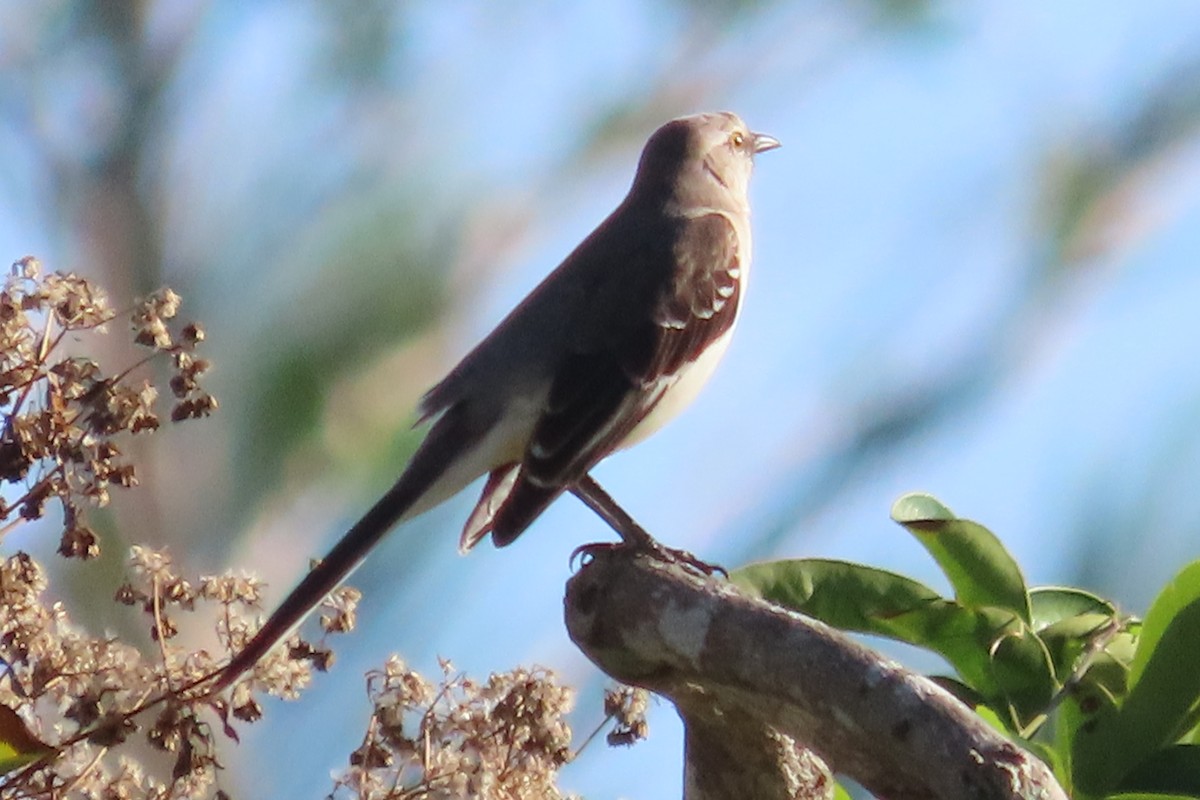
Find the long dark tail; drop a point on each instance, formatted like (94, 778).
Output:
(450, 437)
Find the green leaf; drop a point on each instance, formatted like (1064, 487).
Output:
(1192, 734)
(1109, 673)
(966, 695)
(1068, 639)
(18, 746)
(840, 593)
(868, 600)
(1183, 590)
(1079, 709)
(993, 719)
(980, 569)
(1024, 673)
(1051, 604)
(1154, 712)
(1172, 770)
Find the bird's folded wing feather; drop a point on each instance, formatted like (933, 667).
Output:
(611, 381)
(615, 373)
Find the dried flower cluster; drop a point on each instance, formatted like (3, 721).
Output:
(80, 693)
(63, 416)
(83, 711)
(627, 706)
(94, 699)
(503, 739)
(87, 696)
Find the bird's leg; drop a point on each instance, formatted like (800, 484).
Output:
(632, 534)
(594, 497)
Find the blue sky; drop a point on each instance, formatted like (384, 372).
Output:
(896, 234)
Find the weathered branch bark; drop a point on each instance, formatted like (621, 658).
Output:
(766, 695)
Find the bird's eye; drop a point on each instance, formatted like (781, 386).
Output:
(737, 138)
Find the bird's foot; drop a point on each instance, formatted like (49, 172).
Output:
(654, 548)
(634, 538)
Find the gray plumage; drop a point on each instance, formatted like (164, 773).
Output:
(612, 344)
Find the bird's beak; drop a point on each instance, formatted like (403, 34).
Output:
(763, 143)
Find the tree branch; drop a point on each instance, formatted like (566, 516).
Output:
(766, 695)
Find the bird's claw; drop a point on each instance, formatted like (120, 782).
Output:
(659, 551)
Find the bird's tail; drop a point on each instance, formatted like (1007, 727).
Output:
(437, 470)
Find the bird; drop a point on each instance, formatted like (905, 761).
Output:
(611, 345)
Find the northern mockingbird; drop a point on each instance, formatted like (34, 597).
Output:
(611, 345)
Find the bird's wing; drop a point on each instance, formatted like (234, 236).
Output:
(620, 366)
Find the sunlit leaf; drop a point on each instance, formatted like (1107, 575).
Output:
(980, 569)
(1152, 715)
(1051, 604)
(860, 598)
(1183, 590)
(840, 593)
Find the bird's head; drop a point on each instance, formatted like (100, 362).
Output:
(701, 157)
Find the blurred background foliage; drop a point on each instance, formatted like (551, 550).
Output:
(974, 275)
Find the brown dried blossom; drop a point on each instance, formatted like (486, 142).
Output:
(502, 738)
(62, 415)
(505, 738)
(626, 706)
(340, 610)
(98, 702)
(82, 694)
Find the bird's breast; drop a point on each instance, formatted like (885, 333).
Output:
(672, 394)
